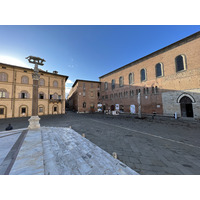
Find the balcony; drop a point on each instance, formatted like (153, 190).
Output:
(55, 100)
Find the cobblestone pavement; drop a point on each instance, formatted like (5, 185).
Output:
(159, 146)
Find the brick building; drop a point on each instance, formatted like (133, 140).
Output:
(168, 81)
(84, 96)
(16, 86)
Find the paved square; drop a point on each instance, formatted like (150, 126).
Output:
(147, 146)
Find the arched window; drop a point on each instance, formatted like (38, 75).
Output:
(159, 69)
(4, 93)
(180, 63)
(105, 85)
(113, 84)
(121, 81)
(130, 78)
(41, 95)
(24, 95)
(55, 84)
(41, 109)
(24, 80)
(156, 90)
(41, 82)
(84, 105)
(143, 75)
(3, 76)
(152, 89)
(55, 108)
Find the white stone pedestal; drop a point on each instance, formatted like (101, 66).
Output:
(34, 122)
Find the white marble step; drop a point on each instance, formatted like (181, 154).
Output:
(67, 152)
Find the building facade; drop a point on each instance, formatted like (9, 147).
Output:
(168, 81)
(84, 96)
(16, 85)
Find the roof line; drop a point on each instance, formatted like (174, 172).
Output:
(155, 53)
(42, 71)
(84, 81)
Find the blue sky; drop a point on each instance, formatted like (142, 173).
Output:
(86, 52)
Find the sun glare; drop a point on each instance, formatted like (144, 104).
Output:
(13, 61)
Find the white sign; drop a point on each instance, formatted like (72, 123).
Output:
(99, 107)
(132, 109)
(116, 106)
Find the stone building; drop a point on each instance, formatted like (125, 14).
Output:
(84, 96)
(168, 81)
(16, 86)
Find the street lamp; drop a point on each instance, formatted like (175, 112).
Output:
(34, 120)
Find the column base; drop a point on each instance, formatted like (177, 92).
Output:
(34, 122)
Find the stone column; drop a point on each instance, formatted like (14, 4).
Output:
(34, 120)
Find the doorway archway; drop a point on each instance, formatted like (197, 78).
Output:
(186, 106)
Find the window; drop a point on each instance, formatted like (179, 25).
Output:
(105, 85)
(55, 84)
(156, 90)
(40, 109)
(1, 111)
(113, 84)
(24, 80)
(55, 109)
(83, 86)
(91, 94)
(152, 89)
(3, 76)
(2, 94)
(106, 97)
(23, 110)
(41, 96)
(131, 93)
(146, 90)
(23, 95)
(84, 93)
(59, 97)
(159, 69)
(84, 105)
(130, 78)
(121, 81)
(98, 94)
(41, 82)
(50, 96)
(102, 97)
(180, 63)
(143, 75)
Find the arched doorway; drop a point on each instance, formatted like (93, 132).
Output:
(186, 107)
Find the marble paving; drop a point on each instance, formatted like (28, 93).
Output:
(62, 151)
